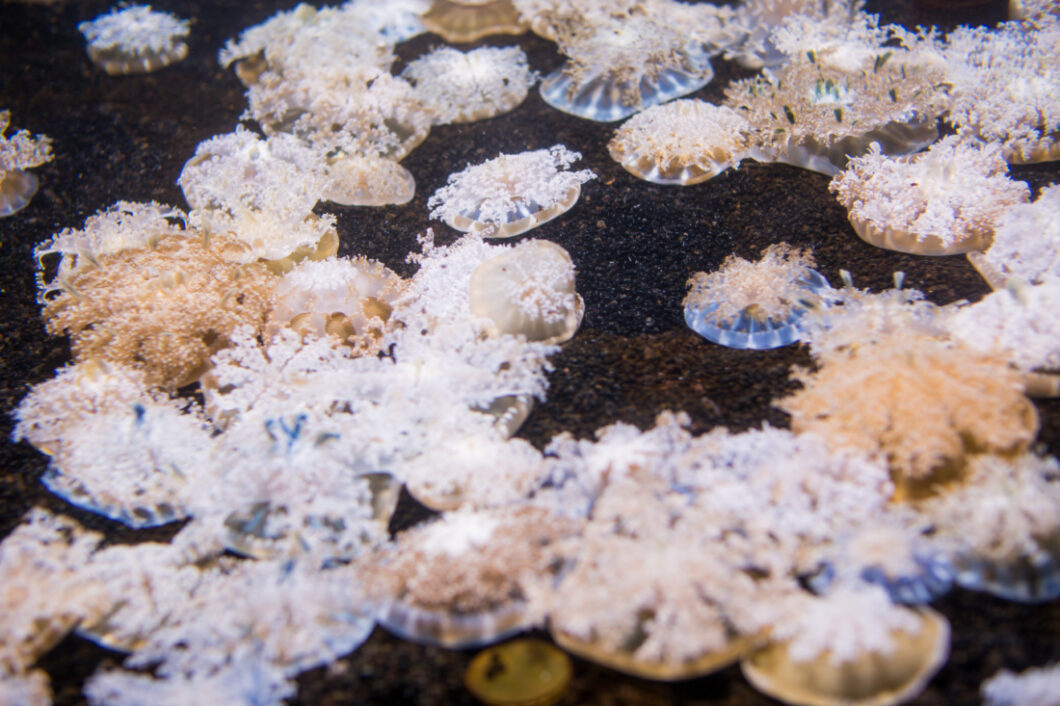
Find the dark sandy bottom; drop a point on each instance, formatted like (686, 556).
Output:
(634, 244)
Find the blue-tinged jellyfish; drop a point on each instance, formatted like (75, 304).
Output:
(897, 556)
(623, 65)
(999, 526)
(755, 305)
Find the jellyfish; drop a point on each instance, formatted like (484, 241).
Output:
(468, 578)
(944, 201)
(19, 152)
(685, 142)
(511, 194)
(135, 39)
(850, 648)
(754, 305)
(458, 87)
(618, 66)
(528, 291)
(459, 21)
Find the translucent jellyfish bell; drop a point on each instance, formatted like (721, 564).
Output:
(459, 21)
(754, 305)
(511, 194)
(944, 201)
(19, 152)
(16, 189)
(901, 560)
(367, 180)
(135, 39)
(867, 678)
(623, 66)
(458, 87)
(528, 291)
(1030, 578)
(684, 142)
(468, 578)
(524, 671)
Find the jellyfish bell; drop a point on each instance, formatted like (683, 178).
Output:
(944, 201)
(510, 194)
(999, 529)
(870, 678)
(475, 471)
(460, 21)
(364, 180)
(459, 87)
(19, 152)
(755, 305)
(814, 113)
(624, 660)
(898, 558)
(528, 291)
(687, 141)
(135, 39)
(468, 579)
(621, 65)
(17, 187)
(349, 300)
(524, 671)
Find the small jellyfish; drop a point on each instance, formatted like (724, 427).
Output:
(1026, 243)
(620, 65)
(511, 194)
(367, 180)
(522, 672)
(135, 39)
(262, 193)
(459, 21)
(19, 152)
(458, 87)
(754, 305)
(528, 291)
(683, 142)
(17, 187)
(1033, 577)
(756, 22)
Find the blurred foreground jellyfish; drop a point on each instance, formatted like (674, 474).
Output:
(135, 40)
(754, 305)
(523, 671)
(470, 578)
(852, 647)
(511, 194)
(19, 152)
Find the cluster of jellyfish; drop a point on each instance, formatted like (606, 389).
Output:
(250, 261)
